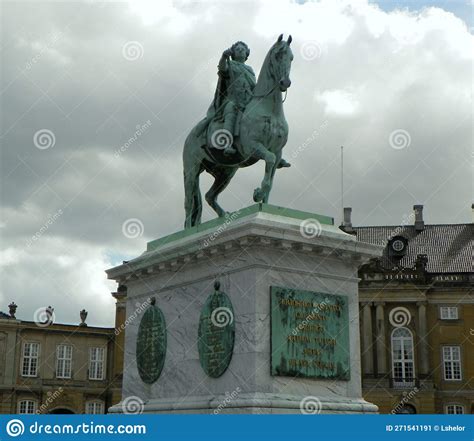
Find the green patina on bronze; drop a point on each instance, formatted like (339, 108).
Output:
(151, 344)
(240, 214)
(310, 334)
(244, 124)
(216, 333)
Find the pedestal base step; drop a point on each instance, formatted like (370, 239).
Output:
(235, 403)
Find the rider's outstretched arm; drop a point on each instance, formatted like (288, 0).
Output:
(222, 67)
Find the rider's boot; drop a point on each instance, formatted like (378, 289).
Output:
(229, 150)
(282, 163)
(229, 125)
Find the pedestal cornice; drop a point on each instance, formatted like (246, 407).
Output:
(262, 228)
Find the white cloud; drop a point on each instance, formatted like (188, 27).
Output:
(163, 13)
(10, 256)
(338, 102)
(327, 21)
(69, 276)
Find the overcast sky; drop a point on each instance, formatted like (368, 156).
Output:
(390, 81)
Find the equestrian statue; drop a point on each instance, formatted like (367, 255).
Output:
(244, 123)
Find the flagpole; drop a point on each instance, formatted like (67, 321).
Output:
(342, 182)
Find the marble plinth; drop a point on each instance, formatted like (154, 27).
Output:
(259, 247)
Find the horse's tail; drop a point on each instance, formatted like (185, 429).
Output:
(192, 168)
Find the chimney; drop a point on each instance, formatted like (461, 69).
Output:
(12, 309)
(419, 223)
(346, 225)
(472, 211)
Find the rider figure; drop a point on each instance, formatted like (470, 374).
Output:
(240, 81)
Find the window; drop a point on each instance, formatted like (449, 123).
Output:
(96, 363)
(27, 406)
(63, 361)
(452, 362)
(448, 312)
(95, 407)
(403, 366)
(454, 409)
(29, 366)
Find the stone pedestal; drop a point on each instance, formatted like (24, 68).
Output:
(257, 248)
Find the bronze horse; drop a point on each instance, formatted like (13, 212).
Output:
(263, 134)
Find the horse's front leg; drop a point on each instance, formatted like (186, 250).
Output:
(272, 176)
(222, 178)
(259, 151)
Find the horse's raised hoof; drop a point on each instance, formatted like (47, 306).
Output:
(258, 195)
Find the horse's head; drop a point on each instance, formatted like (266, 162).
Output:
(281, 57)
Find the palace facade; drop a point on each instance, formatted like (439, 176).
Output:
(417, 316)
(48, 367)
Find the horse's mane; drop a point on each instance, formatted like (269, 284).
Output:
(265, 80)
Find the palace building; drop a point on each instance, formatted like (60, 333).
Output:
(48, 367)
(417, 317)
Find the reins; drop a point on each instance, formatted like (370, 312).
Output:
(270, 91)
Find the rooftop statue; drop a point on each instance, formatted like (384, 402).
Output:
(245, 123)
